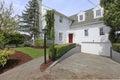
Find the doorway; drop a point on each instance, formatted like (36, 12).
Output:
(71, 38)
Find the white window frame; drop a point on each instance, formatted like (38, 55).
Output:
(83, 14)
(95, 11)
(60, 35)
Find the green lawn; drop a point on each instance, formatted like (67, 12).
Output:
(34, 53)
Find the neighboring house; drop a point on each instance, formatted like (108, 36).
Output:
(85, 28)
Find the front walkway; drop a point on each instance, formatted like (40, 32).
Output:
(75, 65)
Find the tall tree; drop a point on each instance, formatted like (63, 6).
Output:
(112, 16)
(8, 21)
(30, 17)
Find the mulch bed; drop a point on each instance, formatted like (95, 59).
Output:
(15, 60)
(44, 66)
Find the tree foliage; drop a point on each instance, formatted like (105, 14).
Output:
(8, 21)
(16, 38)
(111, 16)
(30, 17)
(111, 12)
(49, 18)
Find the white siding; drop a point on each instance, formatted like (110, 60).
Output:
(61, 27)
(93, 34)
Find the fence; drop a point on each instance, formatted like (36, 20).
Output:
(115, 56)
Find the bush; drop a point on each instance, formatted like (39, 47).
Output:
(112, 36)
(14, 38)
(116, 47)
(39, 42)
(1, 40)
(4, 55)
(59, 50)
(27, 44)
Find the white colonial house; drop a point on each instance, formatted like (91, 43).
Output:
(85, 28)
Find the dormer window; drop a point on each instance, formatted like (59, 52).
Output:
(81, 16)
(98, 12)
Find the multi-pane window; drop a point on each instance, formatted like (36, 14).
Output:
(60, 19)
(81, 17)
(86, 32)
(60, 36)
(98, 13)
(101, 31)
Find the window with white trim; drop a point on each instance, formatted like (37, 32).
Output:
(86, 32)
(80, 17)
(60, 36)
(98, 13)
(101, 30)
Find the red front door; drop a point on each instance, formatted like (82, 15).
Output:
(70, 38)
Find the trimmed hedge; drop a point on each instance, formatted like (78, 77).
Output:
(116, 47)
(59, 50)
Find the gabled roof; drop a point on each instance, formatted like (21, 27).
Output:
(56, 12)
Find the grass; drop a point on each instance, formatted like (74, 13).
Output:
(34, 53)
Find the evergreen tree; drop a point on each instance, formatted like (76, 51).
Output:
(30, 18)
(49, 18)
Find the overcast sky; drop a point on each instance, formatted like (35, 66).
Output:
(67, 7)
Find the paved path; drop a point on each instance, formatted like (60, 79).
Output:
(76, 66)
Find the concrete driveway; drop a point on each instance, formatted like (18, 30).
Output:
(73, 65)
(86, 66)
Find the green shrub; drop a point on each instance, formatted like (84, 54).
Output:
(4, 55)
(39, 42)
(116, 47)
(14, 38)
(27, 44)
(2, 40)
(59, 50)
